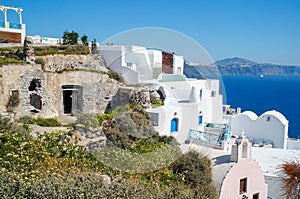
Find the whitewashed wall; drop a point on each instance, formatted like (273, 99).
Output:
(271, 125)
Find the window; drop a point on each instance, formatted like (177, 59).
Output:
(268, 119)
(179, 70)
(213, 93)
(201, 95)
(243, 185)
(154, 118)
(255, 196)
(200, 117)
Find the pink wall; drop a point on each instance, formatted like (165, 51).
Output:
(245, 168)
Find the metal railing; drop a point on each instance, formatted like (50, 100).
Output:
(211, 138)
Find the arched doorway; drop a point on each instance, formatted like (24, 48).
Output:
(174, 125)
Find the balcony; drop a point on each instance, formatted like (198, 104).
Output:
(15, 26)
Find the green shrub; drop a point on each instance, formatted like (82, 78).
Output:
(27, 120)
(197, 172)
(156, 102)
(46, 122)
(88, 120)
(116, 76)
(47, 166)
(40, 61)
(61, 49)
(16, 60)
(103, 117)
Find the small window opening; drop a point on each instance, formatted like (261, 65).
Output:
(34, 84)
(243, 185)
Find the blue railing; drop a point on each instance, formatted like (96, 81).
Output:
(15, 25)
(207, 137)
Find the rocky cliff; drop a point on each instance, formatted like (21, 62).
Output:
(239, 67)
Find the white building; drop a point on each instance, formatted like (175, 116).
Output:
(188, 104)
(268, 130)
(11, 32)
(139, 64)
(196, 99)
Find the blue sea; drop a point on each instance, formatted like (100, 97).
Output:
(260, 94)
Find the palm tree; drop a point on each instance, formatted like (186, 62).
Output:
(291, 179)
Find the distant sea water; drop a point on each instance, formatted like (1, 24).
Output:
(260, 94)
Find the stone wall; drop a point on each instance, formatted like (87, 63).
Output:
(41, 91)
(9, 76)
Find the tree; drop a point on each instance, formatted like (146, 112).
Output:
(70, 38)
(84, 40)
(291, 179)
(94, 47)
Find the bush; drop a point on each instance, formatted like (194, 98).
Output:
(15, 60)
(70, 38)
(156, 102)
(46, 122)
(116, 76)
(88, 120)
(40, 61)
(197, 172)
(62, 49)
(11, 55)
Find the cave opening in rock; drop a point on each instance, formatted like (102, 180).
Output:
(34, 84)
(36, 101)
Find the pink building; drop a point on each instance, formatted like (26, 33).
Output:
(236, 175)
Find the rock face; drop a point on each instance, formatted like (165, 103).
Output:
(28, 52)
(141, 96)
(59, 63)
(47, 93)
(137, 95)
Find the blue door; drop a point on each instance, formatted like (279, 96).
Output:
(174, 125)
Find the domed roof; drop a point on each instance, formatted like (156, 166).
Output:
(276, 114)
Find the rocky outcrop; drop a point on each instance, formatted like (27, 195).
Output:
(60, 63)
(136, 95)
(141, 95)
(28, 50)
(46, 92)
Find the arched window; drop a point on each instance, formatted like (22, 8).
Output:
(244, 150)
(174, 125)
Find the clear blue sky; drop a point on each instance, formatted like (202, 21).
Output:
(260, 30)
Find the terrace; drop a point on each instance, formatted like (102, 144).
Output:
(11, 32)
